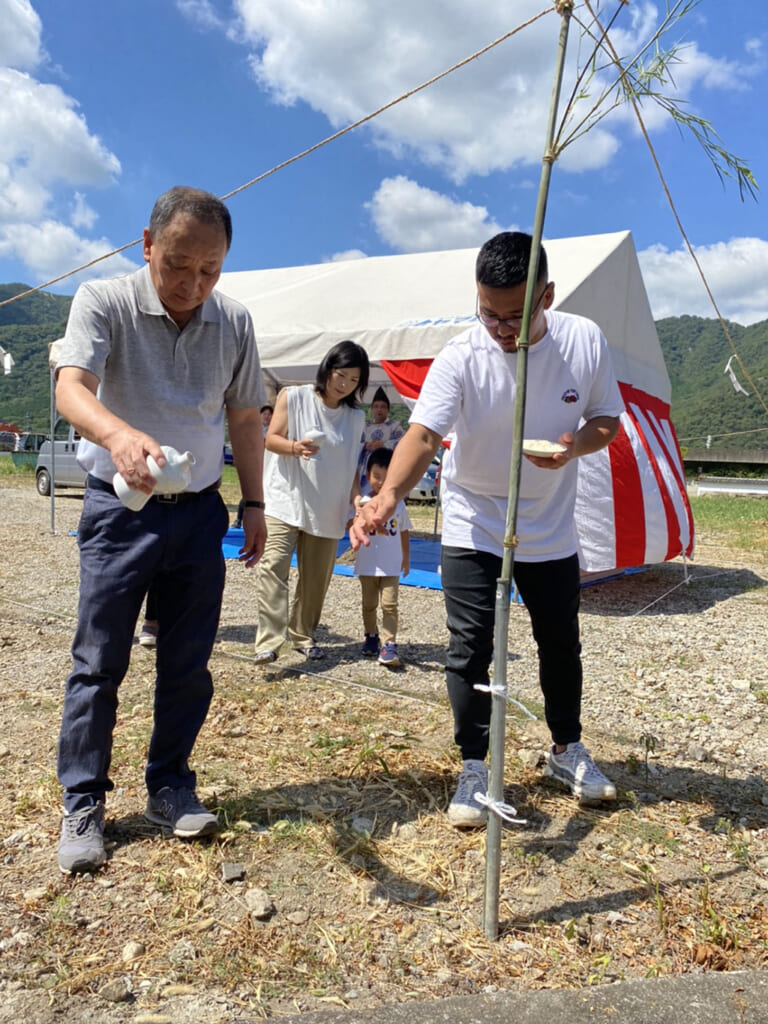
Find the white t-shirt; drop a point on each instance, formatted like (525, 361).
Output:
(470, 391)
(384, 556)
(313, 494)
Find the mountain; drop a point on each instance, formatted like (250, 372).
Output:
(704, 402)
(27, 327)
(38, 308)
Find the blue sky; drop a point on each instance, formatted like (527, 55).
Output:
(108, 104)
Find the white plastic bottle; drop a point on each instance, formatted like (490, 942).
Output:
(172, 478)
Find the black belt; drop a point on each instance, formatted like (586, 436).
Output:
(165, 499)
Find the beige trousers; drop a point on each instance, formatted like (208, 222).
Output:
(382, 588)
(315, 558)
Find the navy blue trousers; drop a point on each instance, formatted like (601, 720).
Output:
(176, 549)
(550, 592)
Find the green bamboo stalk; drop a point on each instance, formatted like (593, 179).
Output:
(503, 586)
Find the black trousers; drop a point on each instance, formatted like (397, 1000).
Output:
(550, 592)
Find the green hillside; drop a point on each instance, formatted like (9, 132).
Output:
(38, 308)
(27, 327)
(704, 402)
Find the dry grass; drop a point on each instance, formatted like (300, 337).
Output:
(334, 805)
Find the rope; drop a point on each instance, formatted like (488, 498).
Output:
(502, 810)
(325, 677)
(733, 433)
(605, 41)
(34, 608)
(244, 657)
(687, 579)
(497, 690)
(312, 149)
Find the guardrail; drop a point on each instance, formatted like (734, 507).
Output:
(707, 456)
(732, 485)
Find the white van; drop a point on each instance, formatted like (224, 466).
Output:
(67, 471)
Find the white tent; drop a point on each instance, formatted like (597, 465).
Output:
(405, 308)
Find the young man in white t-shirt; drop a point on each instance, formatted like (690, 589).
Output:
(572, 399)
(379, 565)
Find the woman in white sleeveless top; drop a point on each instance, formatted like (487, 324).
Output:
(310, 477)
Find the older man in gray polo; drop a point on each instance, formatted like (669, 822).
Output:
(154, 358)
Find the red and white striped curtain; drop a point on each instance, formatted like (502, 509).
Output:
(632, 505)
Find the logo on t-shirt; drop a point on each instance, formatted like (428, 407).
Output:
(569, 396)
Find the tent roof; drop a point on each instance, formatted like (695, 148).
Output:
(409, 306)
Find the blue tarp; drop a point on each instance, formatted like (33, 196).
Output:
(425, 559)
(425, 562)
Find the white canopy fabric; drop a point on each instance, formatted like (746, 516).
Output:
(408, 307)
(632, 506)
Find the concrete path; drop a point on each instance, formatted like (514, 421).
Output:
(735, 998)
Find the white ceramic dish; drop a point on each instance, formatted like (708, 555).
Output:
(542, 449)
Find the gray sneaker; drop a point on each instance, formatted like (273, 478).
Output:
(578, 771)
(81, 847)
(181, 812)
(464, 811)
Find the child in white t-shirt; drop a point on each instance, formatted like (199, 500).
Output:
(379, 567)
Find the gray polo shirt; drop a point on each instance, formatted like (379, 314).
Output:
(173, 384)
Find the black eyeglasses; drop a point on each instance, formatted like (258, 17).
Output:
(494, 321)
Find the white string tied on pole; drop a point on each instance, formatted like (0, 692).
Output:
(497, 690)
(499, 808)
(686, 576)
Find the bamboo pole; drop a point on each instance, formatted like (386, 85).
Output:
(503, 584)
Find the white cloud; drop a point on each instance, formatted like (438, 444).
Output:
(345, 59)
(755, 47)
(20, 38)
(412, 218)
(21, 197)
(202, 12)
(47, 156)
(50, 248)
(82, 215)
(43, 136)
(737, 272)
(348, 254)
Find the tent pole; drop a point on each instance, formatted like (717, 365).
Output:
(503, 585)
(53, 451)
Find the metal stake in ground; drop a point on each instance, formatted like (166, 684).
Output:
(501, 620)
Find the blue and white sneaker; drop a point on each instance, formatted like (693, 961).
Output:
(389, 655)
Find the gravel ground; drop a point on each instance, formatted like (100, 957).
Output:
(673, 652)
(675, 673)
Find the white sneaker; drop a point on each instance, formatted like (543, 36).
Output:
(578, 771)
(148, 634)
(464, 811)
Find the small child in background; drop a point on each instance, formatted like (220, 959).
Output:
(379, 567)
